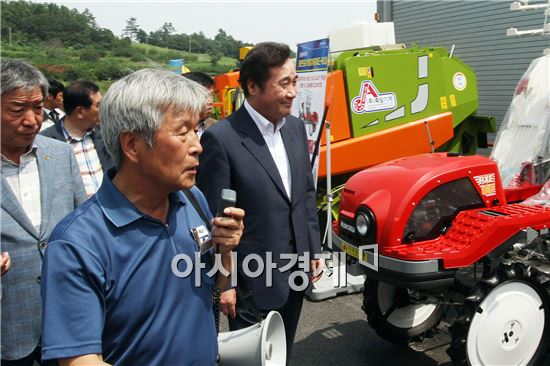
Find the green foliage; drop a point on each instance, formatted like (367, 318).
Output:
(42, 22)
(53, 48)
(215, 58)
(190, 57)
(132, 29)
(111, 71)
(68, 45)
(79, 72)
(123, 52)
(89, 53)
(172, 55)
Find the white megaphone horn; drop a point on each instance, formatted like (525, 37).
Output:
(260, 344)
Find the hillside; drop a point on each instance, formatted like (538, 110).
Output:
(68, 45)
(70, 64)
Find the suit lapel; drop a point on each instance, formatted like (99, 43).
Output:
(46, 172)
(254, 142)
(11, 205)
(293, 154)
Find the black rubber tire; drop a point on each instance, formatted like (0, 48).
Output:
(388, 331)
(504, 274)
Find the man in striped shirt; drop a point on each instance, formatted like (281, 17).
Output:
(80, 128)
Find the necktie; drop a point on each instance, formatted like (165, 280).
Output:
(54, 116)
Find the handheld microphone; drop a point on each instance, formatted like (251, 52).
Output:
(228, 198)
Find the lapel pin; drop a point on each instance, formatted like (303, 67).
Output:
(46, 157)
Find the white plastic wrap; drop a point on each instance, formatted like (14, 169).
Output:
(542, 198)
(522, 139)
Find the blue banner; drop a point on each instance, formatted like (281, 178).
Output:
(309, 104)
(312, 56)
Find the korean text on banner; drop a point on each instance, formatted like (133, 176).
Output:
(311, 66)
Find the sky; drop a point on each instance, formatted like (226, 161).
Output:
(290, 22)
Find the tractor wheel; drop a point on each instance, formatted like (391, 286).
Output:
(505, 320)
(394, 317)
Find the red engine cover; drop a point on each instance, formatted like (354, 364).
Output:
(473, 234)
(393, 189)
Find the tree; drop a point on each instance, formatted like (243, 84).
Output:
(215, 58)
(89, 53)
(141, 36)
(53, 47)
(90, 19)
(167, 29)
(132, 29)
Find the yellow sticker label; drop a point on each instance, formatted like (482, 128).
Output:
(362, 71)
(453, 100)
(443, 102)
(430, 55)
(487, 184)
(369, 72)
(489, 190)
(353, 251)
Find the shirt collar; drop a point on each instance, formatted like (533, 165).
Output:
(68, 136)
(116, 206)
(30, 152)
(261, 122)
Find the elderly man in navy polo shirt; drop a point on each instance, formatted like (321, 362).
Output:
(110, 295)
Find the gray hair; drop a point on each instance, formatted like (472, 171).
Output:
(19, 74)
(138, 103)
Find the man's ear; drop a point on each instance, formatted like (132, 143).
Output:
(130, 146)
(253, 89)
(78, 112)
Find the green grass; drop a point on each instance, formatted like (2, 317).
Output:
(66, 65)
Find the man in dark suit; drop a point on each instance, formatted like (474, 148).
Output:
(40, 185)
(53, 104)
(261, 152)
(80, 129)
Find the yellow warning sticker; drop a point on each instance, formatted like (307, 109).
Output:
(369, 72)
(365, 71)
(351, 250)
(487, 184)
(443, 102)
(453, 100)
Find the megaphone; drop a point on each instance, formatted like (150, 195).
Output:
(260, 344)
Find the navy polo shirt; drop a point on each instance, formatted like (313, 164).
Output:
(108, 285)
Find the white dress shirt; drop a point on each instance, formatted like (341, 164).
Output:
(272, 136)
(24, 181)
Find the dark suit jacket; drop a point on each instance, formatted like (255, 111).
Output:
(235, 156)
(209, 122)
(56, 132)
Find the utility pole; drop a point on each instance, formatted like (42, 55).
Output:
(9, 34)
(189, 43)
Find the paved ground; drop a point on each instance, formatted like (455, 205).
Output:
(335, 332)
